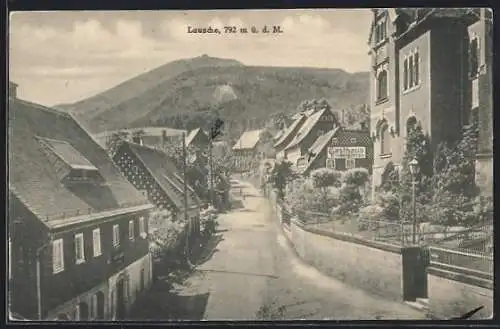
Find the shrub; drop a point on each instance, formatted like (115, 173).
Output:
(356, 177)
(369, 217)
(208, 223)
(350, 200)
(325, 177)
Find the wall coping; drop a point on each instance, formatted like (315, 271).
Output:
(459, 275)
(350, 238)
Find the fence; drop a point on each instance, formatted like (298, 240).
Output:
(470, 248)
(384, 231)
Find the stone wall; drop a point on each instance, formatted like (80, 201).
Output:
(372, 266)
(453, 294)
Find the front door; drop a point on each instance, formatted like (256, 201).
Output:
(120, 299)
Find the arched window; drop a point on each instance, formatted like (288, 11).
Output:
(385, 136)
(382, 85)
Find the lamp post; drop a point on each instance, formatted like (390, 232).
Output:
(414, 171)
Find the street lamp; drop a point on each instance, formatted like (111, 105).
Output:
(414, 171)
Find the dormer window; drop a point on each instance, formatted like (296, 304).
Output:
(69, 163)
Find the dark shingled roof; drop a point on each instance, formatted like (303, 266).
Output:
(35, 180)
(306, 128)
(291, 130)
(167, 175)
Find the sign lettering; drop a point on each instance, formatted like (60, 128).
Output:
(351, 152)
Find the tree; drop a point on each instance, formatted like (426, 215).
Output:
(351, 197)
(281, 175)
(114, 141)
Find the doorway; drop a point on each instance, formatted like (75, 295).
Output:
(100, 305)
(120, 299)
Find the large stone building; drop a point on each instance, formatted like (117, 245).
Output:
(430, 67)
(77, 227)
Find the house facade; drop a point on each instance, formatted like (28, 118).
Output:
(315, 125)
(154, 173)
(77, 227)
(421, 75)
(251, 147)
(341, 149)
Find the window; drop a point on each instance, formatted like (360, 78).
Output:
(405, 74)
(96, 239)
(142, 228)
(57, 256)
(79, 248)
(350, 163)
(330, 163)
(380, 31)
(116, 235)
(385, 140)
(382, 85)
(416, 78)
(411, 70)
(410, 73)
(131, 233)
(473, 57)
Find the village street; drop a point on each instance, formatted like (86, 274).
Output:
(253, 274)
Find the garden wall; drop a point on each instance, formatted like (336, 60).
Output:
(453, 293)
(369, 265)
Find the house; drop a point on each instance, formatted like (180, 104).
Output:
(197, 138)
(427, 66)
(252, 145)
(315, 125)
(288, 134)
(340, 149)
(77, 227)
(154, 173)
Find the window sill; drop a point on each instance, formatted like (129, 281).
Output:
(98, 255)
(385, 156)
(116, 246)
(409, 90)
(80, 261)
(381, 43)
(381, 101)
(59, 270)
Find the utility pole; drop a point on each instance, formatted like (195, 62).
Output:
(210, 163)
(184, 185)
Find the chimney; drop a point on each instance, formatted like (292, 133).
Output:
(12, 89)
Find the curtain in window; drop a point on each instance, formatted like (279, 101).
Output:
(411, 82)
(416, 69)
(405, 74)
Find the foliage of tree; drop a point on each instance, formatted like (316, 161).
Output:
(281, 174)
(325, 177)
(114, 141)
(351, 197)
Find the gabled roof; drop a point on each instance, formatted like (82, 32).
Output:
(306, 128)
(291, 130)
(248, 140)
(162, 168)
(193, 134)
(344, 137)
(35, 180)
(318, 146)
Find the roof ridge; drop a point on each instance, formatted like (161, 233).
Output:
(41, 107)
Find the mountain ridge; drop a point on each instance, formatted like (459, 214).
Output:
(183, 93)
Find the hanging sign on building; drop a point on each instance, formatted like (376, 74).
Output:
(347, 152)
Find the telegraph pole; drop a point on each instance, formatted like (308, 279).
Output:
(184, 185)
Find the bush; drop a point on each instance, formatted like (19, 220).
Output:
(325, 177)
(356, 177)
(369, 217)
(305, 197)
(350, 200)
(208, 222)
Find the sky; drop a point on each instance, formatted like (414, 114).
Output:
(63, 57)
